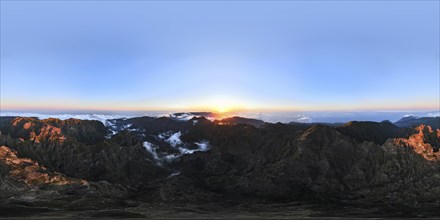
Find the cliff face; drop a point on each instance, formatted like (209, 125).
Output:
(156, 160)
(30, 172)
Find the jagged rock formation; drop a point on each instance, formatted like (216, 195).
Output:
(30, 172)
(50, 130)
(426, 142)
(155, 160)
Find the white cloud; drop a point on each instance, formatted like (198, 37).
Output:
(99, 117)
(171, 157)
(127, 126)
(184, 116)
(303, 118)
(174, 139)
(434, 114)
(152, 149)
(174, 174)
(184, 151)
(203, 145)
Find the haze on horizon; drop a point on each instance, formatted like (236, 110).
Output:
(220, 56)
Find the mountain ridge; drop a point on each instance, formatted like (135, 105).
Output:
(147, 161)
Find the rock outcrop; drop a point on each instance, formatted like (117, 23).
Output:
(30, 172)
(50, 130)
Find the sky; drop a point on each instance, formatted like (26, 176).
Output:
(220, 55)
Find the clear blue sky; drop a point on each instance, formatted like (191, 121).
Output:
(133, 55)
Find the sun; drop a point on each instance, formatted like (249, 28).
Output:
(222, 109)
(222, 105)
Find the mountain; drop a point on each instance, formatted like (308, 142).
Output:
(240, 120)
(53, 129)
(410, 121)
(160, 167)
(78, 148)
(372, 131)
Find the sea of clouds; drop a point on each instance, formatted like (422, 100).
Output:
(284, 117)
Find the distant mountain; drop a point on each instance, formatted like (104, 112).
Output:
(411, 121)
(316, 123)
(192, 114)
(240, 120)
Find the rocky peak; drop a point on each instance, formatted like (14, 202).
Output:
(54, 130)
(424, 142)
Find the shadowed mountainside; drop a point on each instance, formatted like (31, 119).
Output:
(142, 162)
(373, 131)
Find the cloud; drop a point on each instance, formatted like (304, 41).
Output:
(151, 148)
(99, 117)
(174, 139)
(203, 145)
(303, 118)
(433, 114)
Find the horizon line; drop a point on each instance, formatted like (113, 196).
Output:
(176, 110)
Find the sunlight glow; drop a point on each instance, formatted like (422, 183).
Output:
(223, 105)
(222, 110)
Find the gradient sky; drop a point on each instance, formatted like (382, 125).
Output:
(194, 55)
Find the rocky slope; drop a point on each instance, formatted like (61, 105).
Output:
(28, 188)
(138, 164)
(30, 172)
